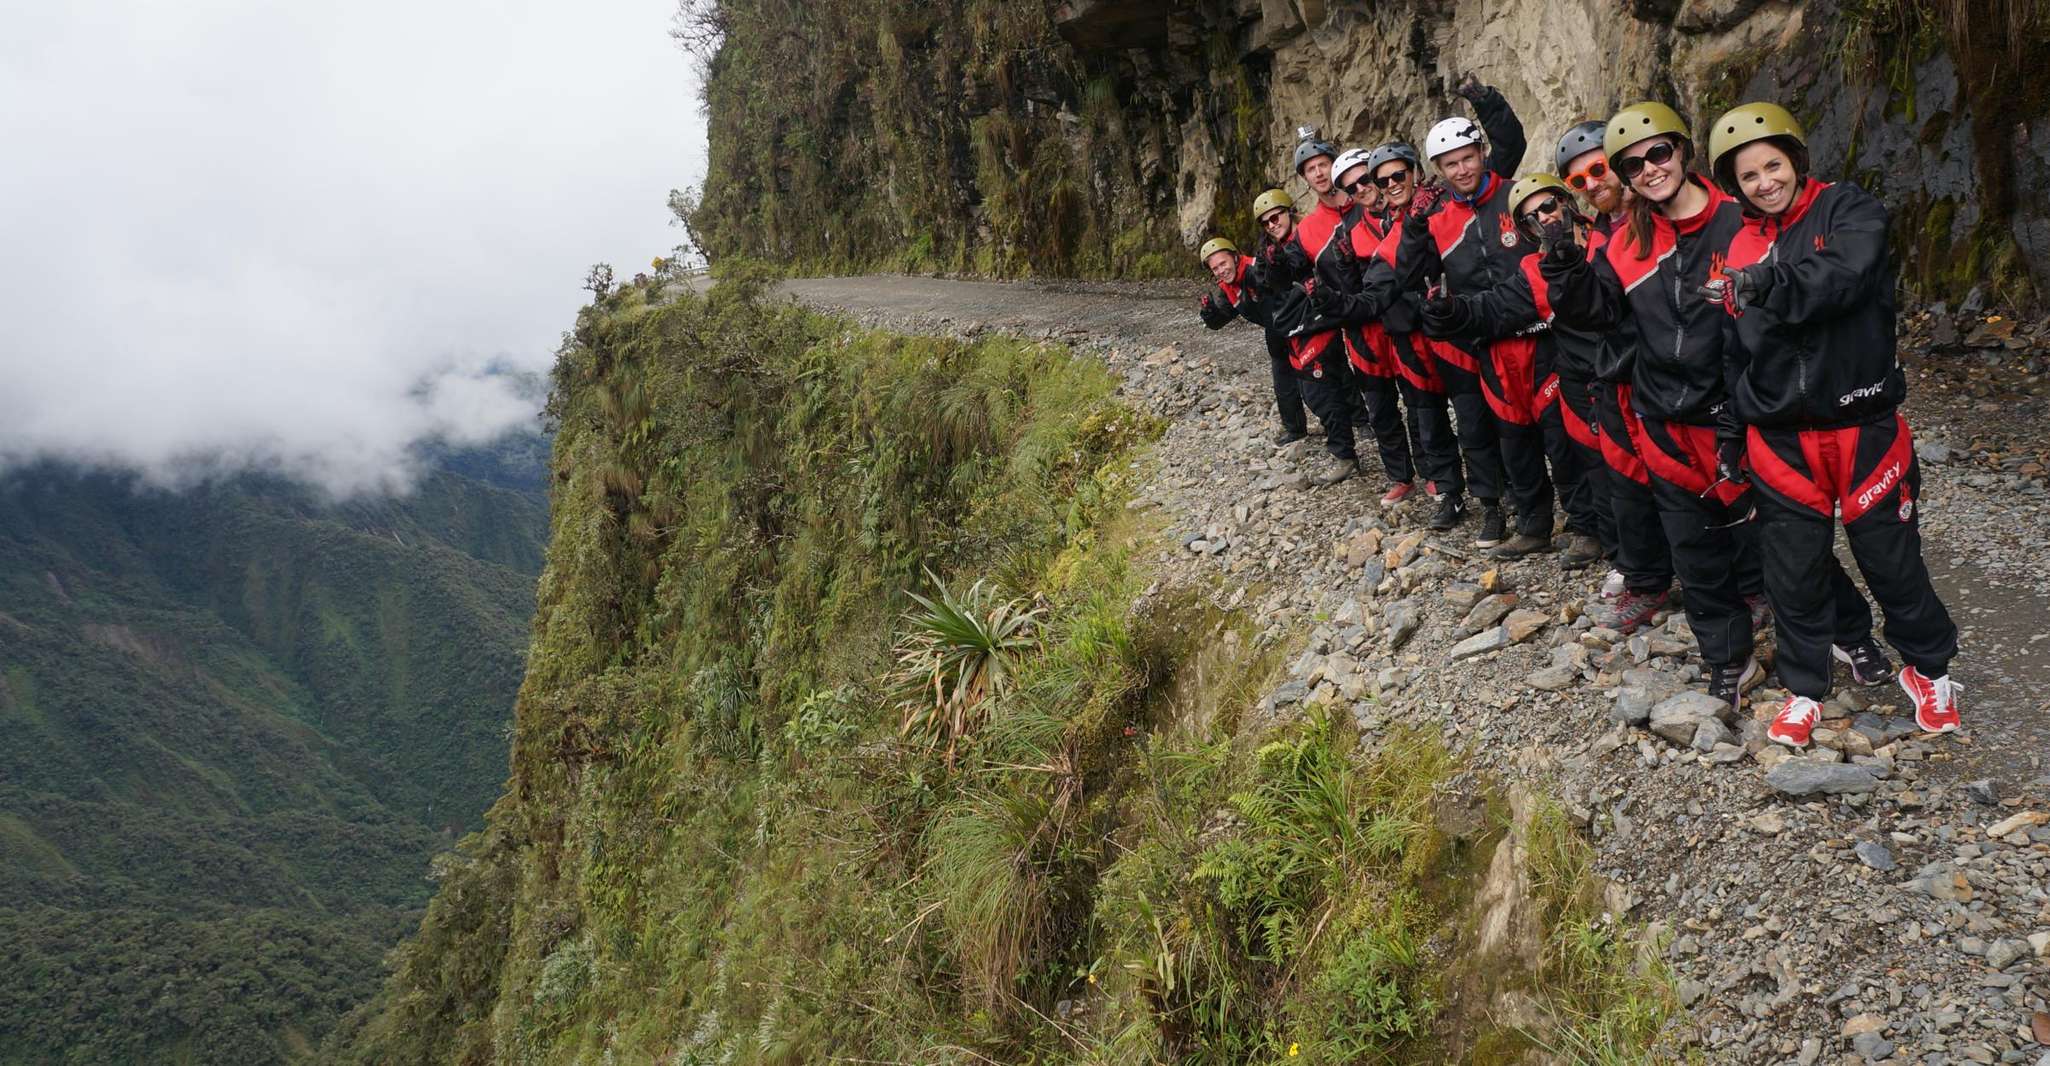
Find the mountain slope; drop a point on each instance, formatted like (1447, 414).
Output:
(235, 723)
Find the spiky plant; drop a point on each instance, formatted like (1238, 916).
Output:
(956, 655)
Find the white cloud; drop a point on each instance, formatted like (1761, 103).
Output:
(291, 236)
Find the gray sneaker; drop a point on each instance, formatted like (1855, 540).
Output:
(1335, 471)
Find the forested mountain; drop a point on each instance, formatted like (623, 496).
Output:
(236, 722)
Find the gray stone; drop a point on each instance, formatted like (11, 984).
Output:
(1874, 854)
(1402, 621)
(1696, 704)
(1882, 730)
(1640, 691)
(1871, 1045)
(1803, 777)
(1291, 692)
(1710, 735)
(2002, 953)
(1522, 624)
(1982, 792)
(1483, 643)
(1488, 612)
(1552, 678)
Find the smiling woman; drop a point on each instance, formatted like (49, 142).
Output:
(258, 235)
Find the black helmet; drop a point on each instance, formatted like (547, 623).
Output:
(1584, 137)
(1391, 152)
(1310, 148)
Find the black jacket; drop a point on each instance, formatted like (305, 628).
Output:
(1678, 371)
(1474, 244)
(1816, 350)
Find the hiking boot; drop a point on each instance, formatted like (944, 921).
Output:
(1397, 493)
(1613, 585)
(1761, 612)
(1494, 527)
(1335, 471)
(1288, 436)
(1582, 551)
(1631, 611)
(1450, 510)
(1729, 681)
(1868, 663)
(1935, 700)
(1795, 722)
(1521, 545)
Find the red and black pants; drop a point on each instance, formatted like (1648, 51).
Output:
(1507, 376)
(1708, 531)
(1432, 440)
(1376, 408)
(1328, 390)
(1640, 550)
(1867, 476)
(1573, 445)
(1288, 397)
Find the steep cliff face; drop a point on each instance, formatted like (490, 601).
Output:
(1090, 137)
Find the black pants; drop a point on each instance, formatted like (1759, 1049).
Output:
(1328, 390)
(1576, 457)
(1706, 529)
(1288, 399)
(1641, 552)
(1474, 426)
(1378, 411)
(1869, 476)
(1523, 449)
(1432, 440)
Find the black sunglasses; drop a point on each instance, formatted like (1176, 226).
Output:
(1393, 178)
(1549, 205)
(1658, 154)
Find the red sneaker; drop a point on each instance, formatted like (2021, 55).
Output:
(1397, 493)
(1935, 700)
(1628, 612)
(1795, 722)
(1431, 489)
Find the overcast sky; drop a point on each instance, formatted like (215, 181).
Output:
(244, 231)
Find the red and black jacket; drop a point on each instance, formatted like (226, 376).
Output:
(1679, 368)
(1325, 238)
(1816, 351)
(1240, 301)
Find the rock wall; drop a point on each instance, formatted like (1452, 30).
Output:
(1134, 130)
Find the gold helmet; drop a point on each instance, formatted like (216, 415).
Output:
(1533, 183)
(1215, 245)
(1740, 126)
(1269, 200)
(1637, 122)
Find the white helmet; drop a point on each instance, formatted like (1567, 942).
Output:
(1348, 159)
(1449, 134)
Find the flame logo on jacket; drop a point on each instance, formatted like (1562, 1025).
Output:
(1508, 229)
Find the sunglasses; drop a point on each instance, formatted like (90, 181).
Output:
(1274, 218)
(1658, 154)
(1358, 185)
(1392, 179)
(1583, 180)
(1549, 206)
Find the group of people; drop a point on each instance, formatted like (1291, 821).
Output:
(1692, 356)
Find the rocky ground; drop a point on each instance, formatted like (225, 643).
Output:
(1883, 898)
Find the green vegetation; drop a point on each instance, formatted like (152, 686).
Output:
(962, 136)
(235, 723)
(843, 739)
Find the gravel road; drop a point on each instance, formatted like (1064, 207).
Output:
(1884, 898)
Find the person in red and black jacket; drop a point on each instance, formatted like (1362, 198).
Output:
(1678, 230)
(1808, 284)
(1468, 237)
(1325, 239)
(1230, 269)
(1397, 358)
(1637, 589)
(1519, 307)
(1282, 274)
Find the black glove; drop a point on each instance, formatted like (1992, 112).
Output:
(1738, 289)
(1214, 317)
(1256, 275)
(1471, 89)
(1558, 242)
(1329, 302)
(1444, 316)
(1729, 460)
